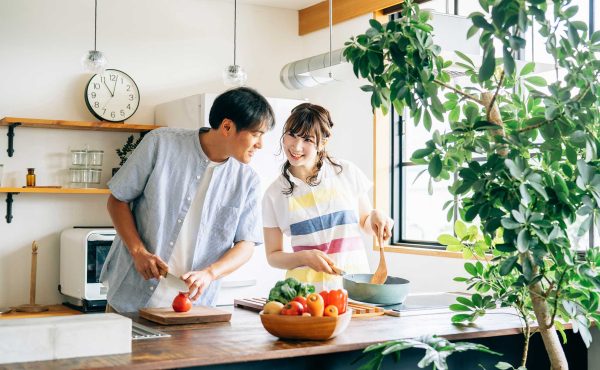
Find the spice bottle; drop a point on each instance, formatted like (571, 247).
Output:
(30, 178)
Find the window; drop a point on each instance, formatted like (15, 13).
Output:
(420, 217)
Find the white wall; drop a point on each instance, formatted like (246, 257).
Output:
(171, 49)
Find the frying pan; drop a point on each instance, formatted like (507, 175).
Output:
(393, 291)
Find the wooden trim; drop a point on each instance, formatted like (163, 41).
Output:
(396, 248)
(56, 190)
(316, 17)
(77, 125)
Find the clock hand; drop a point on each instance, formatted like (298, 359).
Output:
(111, 93)
(107, 100)
(115, 86)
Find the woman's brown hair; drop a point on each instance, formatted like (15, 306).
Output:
(309, 120)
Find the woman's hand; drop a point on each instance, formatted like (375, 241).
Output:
(381, 225)
(148, 265)
(197, 282)
(317, 260)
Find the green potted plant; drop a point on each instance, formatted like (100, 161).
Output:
(127, 149)
(539, 141)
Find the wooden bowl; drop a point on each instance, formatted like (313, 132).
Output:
(305, 327)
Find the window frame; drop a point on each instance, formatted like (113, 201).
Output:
(397, 163)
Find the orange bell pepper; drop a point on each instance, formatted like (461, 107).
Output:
(316, 305)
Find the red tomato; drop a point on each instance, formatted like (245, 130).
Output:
(292, 308)
(302, 301)
(182, 303)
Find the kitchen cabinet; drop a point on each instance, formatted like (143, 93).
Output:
(14, 122)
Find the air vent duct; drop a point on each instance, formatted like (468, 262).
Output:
(315, 70)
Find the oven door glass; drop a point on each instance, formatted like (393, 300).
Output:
(97, 250)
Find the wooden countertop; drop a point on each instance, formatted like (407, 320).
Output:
(54, 310)
(244, 339)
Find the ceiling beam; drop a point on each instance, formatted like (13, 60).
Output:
(316, 17)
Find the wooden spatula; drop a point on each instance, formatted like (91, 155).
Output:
(380, 275)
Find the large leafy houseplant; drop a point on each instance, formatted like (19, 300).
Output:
(538, 170)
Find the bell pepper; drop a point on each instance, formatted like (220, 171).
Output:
(338, 298)
(315, 304)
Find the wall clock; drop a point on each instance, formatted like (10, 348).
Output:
(112, 96)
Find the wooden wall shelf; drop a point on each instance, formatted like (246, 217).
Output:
(55, 190)
(77, 125)
(13, 191)
(13, 122)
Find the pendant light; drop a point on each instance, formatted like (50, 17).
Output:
(94, 61)
(234, 75)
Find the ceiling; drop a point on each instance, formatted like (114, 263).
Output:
(287, 4)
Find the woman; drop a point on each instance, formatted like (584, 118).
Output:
(320, 203)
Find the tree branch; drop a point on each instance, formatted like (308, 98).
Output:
(533, 127)
(489, 107)
(459, 92)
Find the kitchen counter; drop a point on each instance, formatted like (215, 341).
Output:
(244, 341)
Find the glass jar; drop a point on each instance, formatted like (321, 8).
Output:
(79, 157)
(94, 157)
(30, 177)
(77, 175)
(93, 175)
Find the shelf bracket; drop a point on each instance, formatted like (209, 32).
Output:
(9, 202)
(11, 135)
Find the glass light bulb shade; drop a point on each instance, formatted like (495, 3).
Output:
(94, 61)
(234, 75)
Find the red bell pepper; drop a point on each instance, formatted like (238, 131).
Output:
(338, 298)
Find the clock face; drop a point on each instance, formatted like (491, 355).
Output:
(112, 96)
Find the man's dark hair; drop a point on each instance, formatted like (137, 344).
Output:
(245, 107)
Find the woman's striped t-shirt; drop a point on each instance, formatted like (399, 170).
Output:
(324, 217)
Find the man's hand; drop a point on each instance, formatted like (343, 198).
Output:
(197, 282)
(149, 265)
(317, 260)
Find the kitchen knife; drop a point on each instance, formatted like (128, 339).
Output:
(175, 282)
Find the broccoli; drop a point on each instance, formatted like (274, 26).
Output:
(285, 290)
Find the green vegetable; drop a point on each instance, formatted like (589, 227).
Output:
(286, 290)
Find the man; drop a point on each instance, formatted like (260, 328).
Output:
(186, 202)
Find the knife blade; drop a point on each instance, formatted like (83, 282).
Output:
(175, 282)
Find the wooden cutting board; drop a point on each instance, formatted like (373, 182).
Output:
(197, 315)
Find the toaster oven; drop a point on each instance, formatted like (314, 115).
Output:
(82, 254)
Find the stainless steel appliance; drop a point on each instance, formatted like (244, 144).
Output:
(83, 251)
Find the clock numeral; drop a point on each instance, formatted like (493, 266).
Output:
(112, 114)
(131, 97)
(128, 87)
(129, 106)
(96, 104)
(93, 95)
(102, 79)
(113, 77)
(103, 111)
(122, 113)
(96, 86)
(121, 80)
